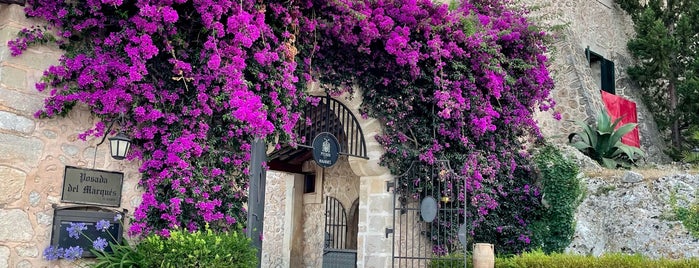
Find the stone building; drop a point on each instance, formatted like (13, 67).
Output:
(34, 152)
(600, 29)
(301, 202)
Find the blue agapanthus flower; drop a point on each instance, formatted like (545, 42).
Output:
(103, 225)
(73, 253)
(52, 253)
(76, 229)
(117, 217)
(99, 244)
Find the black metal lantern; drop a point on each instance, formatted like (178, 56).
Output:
(119, 146)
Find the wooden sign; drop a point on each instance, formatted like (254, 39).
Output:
(91, 186)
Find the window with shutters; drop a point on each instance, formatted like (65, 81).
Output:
(602, 71)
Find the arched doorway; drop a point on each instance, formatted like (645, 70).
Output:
(331, 116)
(324, 212)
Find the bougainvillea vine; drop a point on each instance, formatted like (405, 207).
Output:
(460, 84)
(197, 80)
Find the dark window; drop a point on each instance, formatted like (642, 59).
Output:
(309, 184)
(62, 217)
(602, 71)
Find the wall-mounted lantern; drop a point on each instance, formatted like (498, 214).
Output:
(119, 146)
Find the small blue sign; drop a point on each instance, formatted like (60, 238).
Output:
(326, 149)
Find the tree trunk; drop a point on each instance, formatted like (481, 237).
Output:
(675, 128)
(19, 2)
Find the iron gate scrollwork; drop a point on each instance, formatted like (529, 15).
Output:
(432, 238)
(335, 250)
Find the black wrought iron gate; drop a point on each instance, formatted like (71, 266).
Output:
(428, 211)
(336, 254)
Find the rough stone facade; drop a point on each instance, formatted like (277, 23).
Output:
(605, 29)
(34, 152)
(632, 214)
(273, 234)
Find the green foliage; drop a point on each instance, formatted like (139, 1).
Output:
(451, 260)
(667, 68)
(617, 260)
(603, 142)
(198, 249)
(560, 260)
(689, 216)
(122, 255)
(692, 156)
(562, 193)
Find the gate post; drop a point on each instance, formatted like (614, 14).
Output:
(256, 196)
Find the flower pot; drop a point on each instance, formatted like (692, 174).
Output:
(483, 255)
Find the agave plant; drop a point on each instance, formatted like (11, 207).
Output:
(603, 142)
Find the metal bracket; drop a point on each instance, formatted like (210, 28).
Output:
(389, 185)
(389, 231)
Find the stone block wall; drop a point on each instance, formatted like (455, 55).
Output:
(605, 29)
(275, 208)
(34, 152)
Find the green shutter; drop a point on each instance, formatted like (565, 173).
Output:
(607, 67)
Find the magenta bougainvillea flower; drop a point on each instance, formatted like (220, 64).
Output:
(198, 80)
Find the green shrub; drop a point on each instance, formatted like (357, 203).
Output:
(199, 249)
(562, 193)
(603, 142)
(616, 260)
(539, 259)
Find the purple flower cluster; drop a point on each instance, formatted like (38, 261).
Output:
(199, 80)
(75, 230)
(460, 84)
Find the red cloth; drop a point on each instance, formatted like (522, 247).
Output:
(626, 109)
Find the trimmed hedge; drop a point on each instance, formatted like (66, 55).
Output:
(539, 259)
(617, 260)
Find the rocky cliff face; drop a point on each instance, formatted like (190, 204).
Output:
(631, 213)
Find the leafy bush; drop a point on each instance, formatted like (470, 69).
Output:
(617, 260)
(562, 194)
(198, 249)
(559, 260)
(603, 142)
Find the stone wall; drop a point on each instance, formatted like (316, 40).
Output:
(630, 213)
(273, 234)
(339, 182)
(34, 152)
(605, 29)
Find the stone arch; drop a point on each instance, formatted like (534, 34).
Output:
(352, 225)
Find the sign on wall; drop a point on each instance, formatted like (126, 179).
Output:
(326, 149)
(91, 186)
